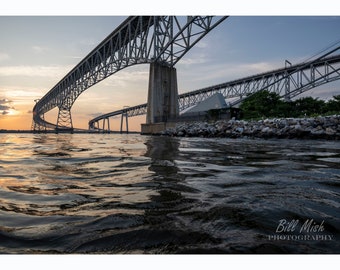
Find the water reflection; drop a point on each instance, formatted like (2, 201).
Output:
(163, 153)
(166, 214)
(138, 194)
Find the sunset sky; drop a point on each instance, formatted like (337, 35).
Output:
(37, 51)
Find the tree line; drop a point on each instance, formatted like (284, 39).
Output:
(265, 104)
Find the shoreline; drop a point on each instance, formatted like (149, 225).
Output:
(320, 127)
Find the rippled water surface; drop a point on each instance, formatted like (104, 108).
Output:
(95, 193)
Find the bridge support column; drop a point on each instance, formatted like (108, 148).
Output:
(163, 106)
(64, 122)
(39, 128)
(124, 114)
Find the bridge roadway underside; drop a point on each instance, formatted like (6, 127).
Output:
(162, 98)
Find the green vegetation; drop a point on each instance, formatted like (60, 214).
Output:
(265, 104)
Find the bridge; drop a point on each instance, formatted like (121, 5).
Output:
(160, 41)
(288, 82)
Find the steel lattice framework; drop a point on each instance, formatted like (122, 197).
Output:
(139, 39)
(288, 82)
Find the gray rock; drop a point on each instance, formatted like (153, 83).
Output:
(319, 127)
(266, 130)
(330, 131)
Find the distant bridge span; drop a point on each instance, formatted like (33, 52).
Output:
(139, 39)
(288, 82)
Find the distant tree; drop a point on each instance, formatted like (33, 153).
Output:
(267, 104)
(308, 106)
(333, 105)
(261, 104)
(285, 109)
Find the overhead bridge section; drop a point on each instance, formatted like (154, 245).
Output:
(139, 39)
(288, 82)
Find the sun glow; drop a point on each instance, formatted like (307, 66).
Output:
(11, 112)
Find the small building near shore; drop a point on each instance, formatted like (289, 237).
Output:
(212, 108)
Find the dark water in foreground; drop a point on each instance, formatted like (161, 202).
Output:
(86, 193)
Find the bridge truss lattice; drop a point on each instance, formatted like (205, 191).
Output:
(288, 82)
(139, 39)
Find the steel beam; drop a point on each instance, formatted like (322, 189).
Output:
(288, 82)
(139, 39)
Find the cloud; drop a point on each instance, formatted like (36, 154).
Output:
(88, 42)
(259, 67)
(39, 49)
(127, 77)
(4, 100)
(19, 94)
(4, 56)
(94, 115)
(5, 106)
(73, 57)
(202, 44)
(192, 61)
(35, 71)
(207, 75)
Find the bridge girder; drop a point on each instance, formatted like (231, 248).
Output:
(288, 82)
(139, 39)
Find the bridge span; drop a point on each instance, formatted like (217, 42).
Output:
(288, 82)
(160, 41)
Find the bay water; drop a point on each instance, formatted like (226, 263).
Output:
(133, 194)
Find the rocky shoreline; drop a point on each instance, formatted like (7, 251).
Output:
(321, 127)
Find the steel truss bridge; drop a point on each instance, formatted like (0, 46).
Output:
(288, 82)
(138, 40)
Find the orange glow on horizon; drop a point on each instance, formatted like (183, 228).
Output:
(16, 122)
(23, 121)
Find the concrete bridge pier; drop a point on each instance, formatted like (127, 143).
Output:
(163, 108)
